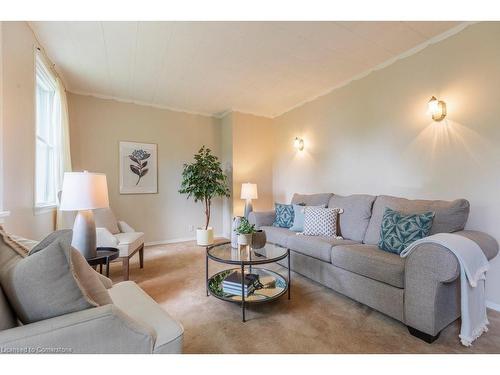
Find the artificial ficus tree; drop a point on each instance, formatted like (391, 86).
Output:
(204, 180)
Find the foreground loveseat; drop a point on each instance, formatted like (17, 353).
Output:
(133, 323)
(422, 290)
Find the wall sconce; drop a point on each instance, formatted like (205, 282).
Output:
(437, 109)
(298, 143)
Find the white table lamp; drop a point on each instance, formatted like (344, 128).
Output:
(84, 192)
(248, 192)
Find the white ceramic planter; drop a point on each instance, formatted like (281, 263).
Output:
(205, 237)
(245, 239)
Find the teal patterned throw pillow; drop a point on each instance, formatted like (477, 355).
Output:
(284, 215)
(399, 230)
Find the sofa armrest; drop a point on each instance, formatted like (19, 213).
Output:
(105, 238)
(431, 297)
(487, 243)
(261, 219)
(104, 329)
(432, 290)
(125, 228)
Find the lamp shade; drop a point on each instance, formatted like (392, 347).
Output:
(84, 191)
(249, 191)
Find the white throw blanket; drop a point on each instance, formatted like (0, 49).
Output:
(473, 268)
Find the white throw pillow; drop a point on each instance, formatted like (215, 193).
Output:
(320, 221)
(105, 218)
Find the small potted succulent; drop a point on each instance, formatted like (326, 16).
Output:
(245, 232)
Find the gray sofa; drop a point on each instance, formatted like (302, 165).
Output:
(422, 290)
(133, 323)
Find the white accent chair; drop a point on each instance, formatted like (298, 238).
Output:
(113, 233)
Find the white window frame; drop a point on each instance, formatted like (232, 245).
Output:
(43, 74)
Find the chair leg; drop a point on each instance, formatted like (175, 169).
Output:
(125, 267)
(141, 256)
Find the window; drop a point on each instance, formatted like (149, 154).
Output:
(46, 152)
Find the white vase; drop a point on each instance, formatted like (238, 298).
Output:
(245, 239)
(205, 237)
(234, 235)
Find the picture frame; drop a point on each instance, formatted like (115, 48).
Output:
(138, 167)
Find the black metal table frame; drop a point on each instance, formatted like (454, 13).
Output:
(100, 260)
(242, 265)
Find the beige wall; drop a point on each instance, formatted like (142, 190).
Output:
(253, 150)
(374, 136)
(247, 155)
(97, 126)
(18, 101)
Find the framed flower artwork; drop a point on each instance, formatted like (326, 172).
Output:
(138, 168)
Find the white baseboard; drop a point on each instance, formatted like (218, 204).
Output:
(493, 306)
(176, 240)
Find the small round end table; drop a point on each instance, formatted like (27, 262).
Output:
(104, 255)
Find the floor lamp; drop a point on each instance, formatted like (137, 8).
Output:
(84, 192)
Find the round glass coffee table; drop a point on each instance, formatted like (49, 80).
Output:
(271, 284)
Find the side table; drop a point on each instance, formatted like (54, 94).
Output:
(104, 256)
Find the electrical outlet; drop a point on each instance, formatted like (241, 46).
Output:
(191, 228)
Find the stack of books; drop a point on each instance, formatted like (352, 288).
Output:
(232, 284)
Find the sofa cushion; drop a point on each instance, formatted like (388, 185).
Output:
(7, 317)
(11, 252)
(278, 236)
(398, 231)
(450, 216)
(319, 247)
(53, 281)
(370, 261)
(312, 199)
(357, 212)
(134, 302)
(283, 215)
(25, 243)
(129, 242)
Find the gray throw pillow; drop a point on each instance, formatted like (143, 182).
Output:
(65, 235)
(52, 281)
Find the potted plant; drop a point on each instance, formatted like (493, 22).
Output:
(204, 180)
(245, 232)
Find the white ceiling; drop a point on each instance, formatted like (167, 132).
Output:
(265, 68)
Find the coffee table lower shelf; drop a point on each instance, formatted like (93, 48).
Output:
(248, 260)
(275, 286)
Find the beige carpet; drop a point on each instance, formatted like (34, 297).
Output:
(315, 320)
